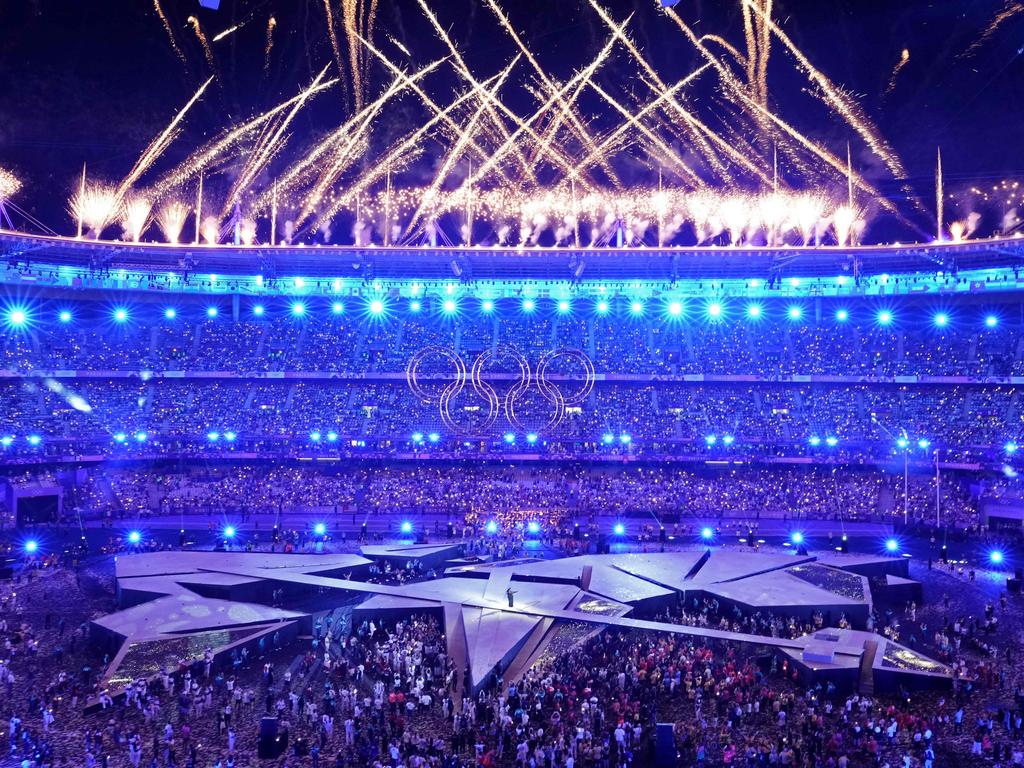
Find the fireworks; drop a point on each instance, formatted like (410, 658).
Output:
(904, 58)
(94, 206)
(170, 32)
(9, 185)
(135, 217)
(172, 218)
(201, 36)
(271, 24)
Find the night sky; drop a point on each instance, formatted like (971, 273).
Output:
(94, 81)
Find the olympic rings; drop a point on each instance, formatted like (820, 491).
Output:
(454, 386)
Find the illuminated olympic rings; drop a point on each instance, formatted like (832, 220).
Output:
(521, 384)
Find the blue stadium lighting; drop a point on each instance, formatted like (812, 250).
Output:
(814, 440)
(338, 308)
(995, 557)
(491, 527)
(902, 442)
(991, 321)
(842, 315)
(65, 316)
(706, 533)
(319, 529)
(31, 546)
(120, 315)
(141, 437)
(510, 438)
(230, 436)
(417, 437)
(120, 437)
(533, 526)
(794, 313)
(134, 537)
(229, 532)
(637, 307)
(619, 529)
(170, 313)
(298, 309)
(314, 436)
(831, 442)
(923, 444)
(711, 439)
(406, 526)
(6, 441)
(258, 310)
(449, 306)
(794, 282)
(1010, 447)
(675, 308)
(564, 306)
(728, 439)
(754, 311)
(608, 438)
(941, 320)
(449, 289)
(376, 307)
(332, 437)
(891, 545)
(796, 537)
(531, 438)
(433, 437)
(625, 439)
(602, 307)
(17, 317)
(529, 305)
(338, 283)
(34, 439)
(300, 282)
(415, 306)
(211, 311)
(884, 317)
(487, 306)
(213, 437)
(715, 310)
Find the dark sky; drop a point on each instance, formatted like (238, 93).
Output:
(94, 81)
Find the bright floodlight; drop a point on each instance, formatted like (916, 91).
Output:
(298, 308)
(941, 319)
(230, 436)
(141, 436)
(492, 527)
(637, 307)
(213, 437)
(170, 313)
(487, 306)
(510, 438)
(995, 556)
(17, 317)
(711, 439)
(714, 310)
(258, 310)
(332, 437)
(902, 442)
(31, 546)
(65, 316)
(417, 437)
(842, 315)
(120, 437)
(991, 321)
(728, 439)
(533, 526)
(923, 443)
(1010, 447)
(531, 438)
(337, 308)
(675, 308)
(450, 306)
(433, 437)
(229, 532)
(529, 305)
(319, 529)
(406, 526)
(625, 439)
(6, 441)
(376, 307)
(795, 313)
(884, 317)
(754, 311)
(564, 306)
(608, 438)
(414, 306)
(120, 315)
(892, 545)
(34, 439)
(314, 436)
(797, 537)
(134, 537)
(831, 442)
(602, 307)
(706, 533)
(619, 529)
(814, 440)
(211, 311)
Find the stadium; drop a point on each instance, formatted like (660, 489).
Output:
(652, 427)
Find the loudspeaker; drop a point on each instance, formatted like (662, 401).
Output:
(270, 746)
(664, 746)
